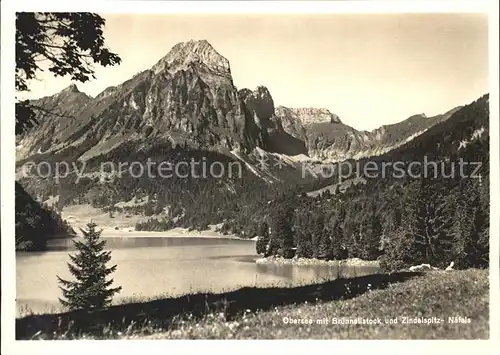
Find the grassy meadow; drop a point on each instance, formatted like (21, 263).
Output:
(276, 313)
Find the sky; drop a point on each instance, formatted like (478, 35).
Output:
(369, 69)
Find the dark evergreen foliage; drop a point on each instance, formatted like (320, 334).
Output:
(471, 238)
(263, 239)
(91, 288)
(36, 224)
(281, 228)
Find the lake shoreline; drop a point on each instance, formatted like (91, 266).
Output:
(314, 261)
(123, 224)
(384, 296)
(178, 232)
(170, 233)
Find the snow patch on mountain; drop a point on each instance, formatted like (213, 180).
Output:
(475, 135)
(132, 102)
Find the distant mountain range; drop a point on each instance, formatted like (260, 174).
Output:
(188, 97)
(187, 107)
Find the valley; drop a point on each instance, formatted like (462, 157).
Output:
(187, 109)
(282, 206)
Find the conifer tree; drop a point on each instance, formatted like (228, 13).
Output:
(433, 225)
(262, 239)
(425, 232)
(304, 245)
(282, 229)
(470, 246)
(353, 239)
(303, 235)
(322, 238)
(273, 248)
(398, 252)
(90, 289)
(403, 247)
(337, 249)
(426, 226)
(393, 218)
(372, 235)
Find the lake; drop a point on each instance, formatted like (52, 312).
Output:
(166, 266)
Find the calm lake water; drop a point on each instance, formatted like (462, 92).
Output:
(169, 266)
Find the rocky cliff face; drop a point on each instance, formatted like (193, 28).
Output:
(57, 119)
(308, 115)
(199, 55)
(327, 138)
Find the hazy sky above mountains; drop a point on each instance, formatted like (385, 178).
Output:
(370, 70)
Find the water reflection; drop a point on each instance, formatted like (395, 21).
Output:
(167, 266)
(127, 242)
(311, 273)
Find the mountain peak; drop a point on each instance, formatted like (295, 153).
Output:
(310, 115)
(72, 88)
(197, 53)
(417, 116)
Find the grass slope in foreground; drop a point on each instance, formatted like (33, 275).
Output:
(257, 313)
(438, 294)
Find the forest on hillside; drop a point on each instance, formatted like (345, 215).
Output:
(432, 222)
(435, 219)
(399, 220)
(36, 224)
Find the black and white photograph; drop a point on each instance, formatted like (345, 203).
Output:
(249, 175)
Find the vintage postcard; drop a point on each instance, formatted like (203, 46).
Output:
(249, 170)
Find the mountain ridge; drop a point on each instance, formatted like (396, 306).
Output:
(179, 117)
(188, 97)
